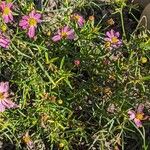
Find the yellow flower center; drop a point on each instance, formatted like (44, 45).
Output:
(6, 10)
(64, 34)
(114, 39)
(139, 116)
(1, 96)
(76, 17)
(32, 22)
(26, 139)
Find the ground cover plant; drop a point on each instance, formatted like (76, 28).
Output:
(74, 75)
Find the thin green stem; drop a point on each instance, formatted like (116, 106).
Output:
(122, 23)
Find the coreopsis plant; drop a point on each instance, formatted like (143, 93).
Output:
(112, 39)
(5, 101)
(78, 19)
(71, 89)
(4, 41)
(64, 33)
(29, 23)
(138, 115)
(27, 140)
(6, 9)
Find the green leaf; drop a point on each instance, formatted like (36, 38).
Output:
(62, 62)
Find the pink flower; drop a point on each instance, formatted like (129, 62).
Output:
(64, 33)
(4, 41)
(6, 11)
(27, 140)
(79, 19)
(112, 39)
(77, 62)
(30, 23)
(138, 115)
(5, 101)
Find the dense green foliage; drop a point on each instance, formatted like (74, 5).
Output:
(64, 105)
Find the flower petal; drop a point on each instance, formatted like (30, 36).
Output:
(37, 16)
(9, 5)
(107, 39)
(32, 14)
(140, 108)
(138, 122)
(81, 21)
(66, 29)
(9, 104)
(2, 107)
(117, 34)
(131, 114)
(56, 38)
(3, 5)
(6, 18)
(4, 87)
(10, 17)
(25, 17)
(71, 37)
(4, 42)
(24, 24)
(31, 32)
(108, 34)
(112, 32)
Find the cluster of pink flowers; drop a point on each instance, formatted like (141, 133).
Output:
(5, 101)
(138, 115)
(6, 9)
(66, 32)
(112, 39)
(28, 23)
